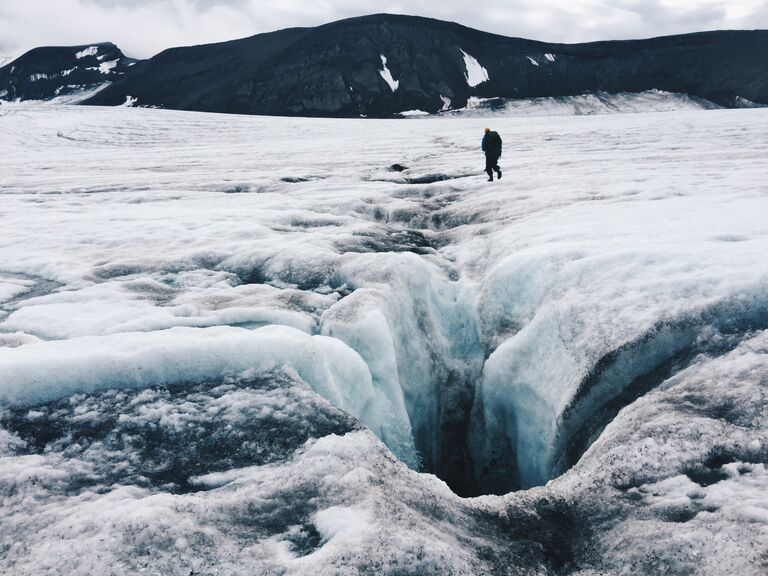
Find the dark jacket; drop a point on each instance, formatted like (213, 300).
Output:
(492, 144)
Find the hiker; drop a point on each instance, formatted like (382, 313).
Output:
(492, 148)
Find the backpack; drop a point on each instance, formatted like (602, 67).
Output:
(493, 144)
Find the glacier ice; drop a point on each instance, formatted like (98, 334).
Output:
(194, 327)
(597, 103)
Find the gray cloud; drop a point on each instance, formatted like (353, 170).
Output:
(144, 27)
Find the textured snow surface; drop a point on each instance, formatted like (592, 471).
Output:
(214, 341)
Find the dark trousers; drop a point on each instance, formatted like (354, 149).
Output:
(491, 164)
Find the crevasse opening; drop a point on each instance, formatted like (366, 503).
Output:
(428, 360)
(491, 418)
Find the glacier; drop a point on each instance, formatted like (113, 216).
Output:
(596, 103)
(311, 346)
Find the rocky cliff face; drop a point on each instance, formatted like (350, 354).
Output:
(381, 65)
(50, 72)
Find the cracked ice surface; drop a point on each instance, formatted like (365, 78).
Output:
(195, 322)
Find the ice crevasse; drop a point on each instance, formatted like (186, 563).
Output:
(484, 385)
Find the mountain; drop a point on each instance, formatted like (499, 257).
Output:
(49, 72)
(381, 65)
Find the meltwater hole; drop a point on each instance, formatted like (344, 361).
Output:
(163, 438)
(461, 452)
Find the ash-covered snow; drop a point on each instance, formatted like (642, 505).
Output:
(214, 340)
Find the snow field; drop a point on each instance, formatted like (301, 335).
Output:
(569, 258)
(484, 332)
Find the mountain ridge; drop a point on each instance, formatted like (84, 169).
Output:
(49, 72)
(382, 64)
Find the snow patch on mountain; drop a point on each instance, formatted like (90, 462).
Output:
(746, 103)
(411, 113)
(75, 94)
(106, 67)
(91, 51)
(532, 61)
(44, 76)
(474, 72)
(387, 75)
(78, 93)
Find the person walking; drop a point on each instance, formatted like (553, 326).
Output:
(492, 147)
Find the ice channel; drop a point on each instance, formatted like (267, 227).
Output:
(475, 421)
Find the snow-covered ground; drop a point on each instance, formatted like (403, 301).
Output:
(217, 332)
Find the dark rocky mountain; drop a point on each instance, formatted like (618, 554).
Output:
(383, 64)
(45, 73)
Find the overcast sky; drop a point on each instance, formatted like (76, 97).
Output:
(142, 28)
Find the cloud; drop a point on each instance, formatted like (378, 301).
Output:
(144, 27)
